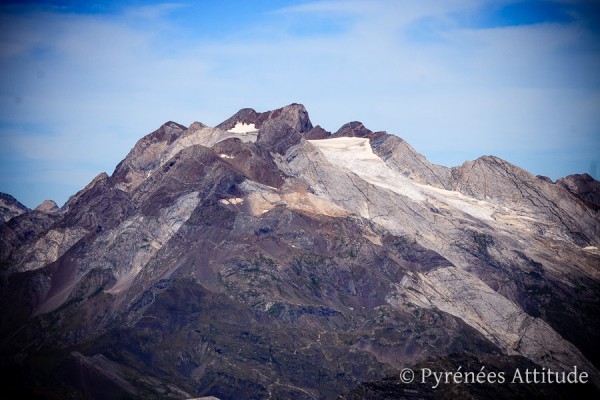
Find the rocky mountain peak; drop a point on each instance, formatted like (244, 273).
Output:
(10, 207)
(196, 126)
(353, 129)
(101, 177)
(244, 116)
(145, 155)
(294, 115)
(277, 136)
(168, 132)
(316, 133)
(583, 186)
(48, 206)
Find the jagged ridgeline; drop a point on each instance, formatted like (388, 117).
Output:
(267, 258)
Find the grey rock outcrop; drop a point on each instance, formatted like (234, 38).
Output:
(402, 157)
(492, 179)
(278, 136)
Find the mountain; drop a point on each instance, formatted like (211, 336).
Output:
(48, 206)
(10, 207)
(268, 258)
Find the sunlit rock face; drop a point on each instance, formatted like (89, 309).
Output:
(267, 258)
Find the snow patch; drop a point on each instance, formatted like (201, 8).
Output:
(241, 127)
(204, 136)
(591, 249)
(356, 155)
(222, 155)
(232, 201)
(475, 208)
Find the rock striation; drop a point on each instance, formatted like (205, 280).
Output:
(267, 258)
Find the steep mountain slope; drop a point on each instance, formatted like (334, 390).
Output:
(10, 207)
(584, 187)
(267, 258)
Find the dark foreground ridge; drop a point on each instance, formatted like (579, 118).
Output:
(268, 258)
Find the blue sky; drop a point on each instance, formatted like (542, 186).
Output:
(81, 82)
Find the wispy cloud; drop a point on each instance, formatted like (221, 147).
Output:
(154, 11)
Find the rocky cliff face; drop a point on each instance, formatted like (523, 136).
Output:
(267, 258)
(584, 187)
(10, 207)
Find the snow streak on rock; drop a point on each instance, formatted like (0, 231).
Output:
(241, 127)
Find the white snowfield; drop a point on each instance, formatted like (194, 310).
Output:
(206, 136)
(241, 127)
(356, 155)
